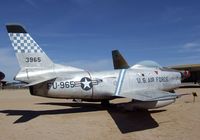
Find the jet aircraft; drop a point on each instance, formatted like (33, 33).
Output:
(2, 75)
(147, 84)
(194, 71)
(2, 83)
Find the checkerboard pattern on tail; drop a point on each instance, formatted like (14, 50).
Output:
(23, 43)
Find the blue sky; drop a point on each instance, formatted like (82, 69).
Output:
(82, 33)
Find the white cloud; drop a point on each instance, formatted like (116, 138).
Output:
(190, 47)
(96, 65)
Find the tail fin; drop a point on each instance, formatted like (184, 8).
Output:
(118, 60)
(28, 52)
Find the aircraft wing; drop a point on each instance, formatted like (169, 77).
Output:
(149, 95)
(191, 67)
(194, 70)
(118, 60)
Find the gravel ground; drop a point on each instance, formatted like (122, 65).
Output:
(23, 117)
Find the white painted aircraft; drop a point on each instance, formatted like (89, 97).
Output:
(146, 83)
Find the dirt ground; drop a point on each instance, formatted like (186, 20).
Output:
(23, 117)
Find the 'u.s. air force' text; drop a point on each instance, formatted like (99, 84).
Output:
(151, 79)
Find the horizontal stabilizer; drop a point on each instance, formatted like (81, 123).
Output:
(39, 81)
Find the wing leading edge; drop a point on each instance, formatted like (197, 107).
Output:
(149, 95)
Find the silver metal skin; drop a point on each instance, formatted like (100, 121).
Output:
(146, 83)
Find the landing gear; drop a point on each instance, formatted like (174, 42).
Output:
(172, 91)
(105, 103)
(77, 100)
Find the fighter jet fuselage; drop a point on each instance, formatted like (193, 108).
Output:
(99, 85)
(147, 84)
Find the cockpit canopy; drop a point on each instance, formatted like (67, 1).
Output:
(146, 64)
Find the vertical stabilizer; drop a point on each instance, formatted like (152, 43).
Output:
(28, 52)
(118, 60)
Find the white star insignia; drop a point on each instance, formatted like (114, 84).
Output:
(86, 83)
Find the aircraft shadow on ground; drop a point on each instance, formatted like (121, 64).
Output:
(27, 115)
(126, 121)
(131, 121)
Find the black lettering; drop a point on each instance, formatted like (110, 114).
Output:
(62, 85)
(35, 59)
(32, 59)
(55, 86)
(157, 79)
(72, 83)
(27, 59)
(144, 80)
(138, 80)
(151, 79)
(67, 84)
(39, 59)
(49, 85)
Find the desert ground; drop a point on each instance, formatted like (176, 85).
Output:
(23, 117)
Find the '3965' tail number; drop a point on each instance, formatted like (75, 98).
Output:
(32, 59)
